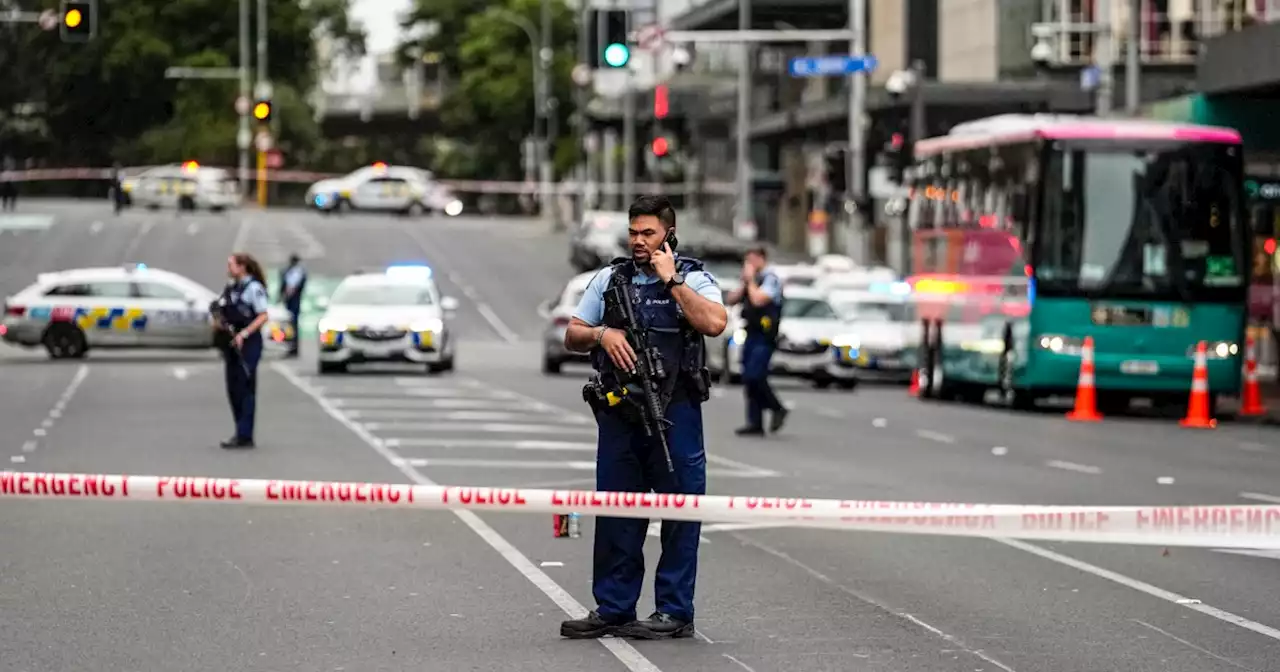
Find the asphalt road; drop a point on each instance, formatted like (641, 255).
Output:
(164, 587)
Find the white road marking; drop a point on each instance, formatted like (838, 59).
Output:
(495, 427)
(950, 639)
(1072, 466)
(242, 235)
(999, 451)
(134, 242)
(414, 413)
(830, 413)
(549, 465)
(95, 228)
(739, 663)
(935, 436)
(522, 444)
(1256, 553)
(496, 322)
(1259, 497)
(621, 649)
(655, 530)
(17, 459)
(550, 563)
(39, 432)
(179, 373)
(1184, 642)
(735, 527)
(879, 423)
(380, 393)
(193, 229)
(375, 403)
(1252, 447)
(1165, 480)
(29, 447)
(1143, 587)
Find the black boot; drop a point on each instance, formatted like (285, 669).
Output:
(591, 626)
(749, 431)
(657, 626)
(779, 418)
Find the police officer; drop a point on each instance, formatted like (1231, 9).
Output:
(761, 299)
(240, 313)
(677, 303)
(117, 187)
(293, 281)
(8, 184)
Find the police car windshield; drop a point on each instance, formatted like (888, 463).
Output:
(809, 309)
(381, 295)
(856, 311)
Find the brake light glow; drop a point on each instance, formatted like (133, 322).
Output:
(14, 311)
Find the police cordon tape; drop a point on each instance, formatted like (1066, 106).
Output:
(307, 177)
(1230, 526)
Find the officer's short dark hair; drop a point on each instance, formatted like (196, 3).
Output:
(656, 206)
(760, 250)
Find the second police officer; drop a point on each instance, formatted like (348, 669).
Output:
(293, 282)
(239, 315)
(677, 303)
(761, 299)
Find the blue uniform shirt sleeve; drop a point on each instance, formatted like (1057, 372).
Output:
(591, 307)
(771, 285)
(705, 285)
(293, 277)
(256, 296)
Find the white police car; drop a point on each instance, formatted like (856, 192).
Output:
(130, 307)
(384, 188)
(396, 315)
(187, 186)
(880, 337)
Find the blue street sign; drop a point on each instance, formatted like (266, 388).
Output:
(832, 65)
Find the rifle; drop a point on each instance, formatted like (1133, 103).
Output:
(649, 371)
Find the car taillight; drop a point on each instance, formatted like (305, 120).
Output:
(14, 311)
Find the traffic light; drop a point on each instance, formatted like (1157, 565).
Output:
(660, 146)
(262, 111)
(79, 20)
(609, 46)
(661, 101)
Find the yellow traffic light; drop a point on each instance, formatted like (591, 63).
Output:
(262, 111)
(73, 18)
(190, 167)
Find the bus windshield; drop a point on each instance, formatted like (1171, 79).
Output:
(1156, 224)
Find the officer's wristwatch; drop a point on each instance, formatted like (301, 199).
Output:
(675, 280)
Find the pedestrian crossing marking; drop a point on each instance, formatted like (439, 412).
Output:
(25, 222)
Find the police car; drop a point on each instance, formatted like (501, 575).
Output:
(808, 325)
(383, 188)
(396, 315)
(188, 186)
(71, 312)
(558, 312)
(881, 336)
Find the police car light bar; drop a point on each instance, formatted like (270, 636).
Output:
(900, 288)
(409, 271)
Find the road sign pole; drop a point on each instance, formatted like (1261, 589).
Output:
(1104, 58)
(243, 140)
(629, 152)
(856, 173)
(744, 223)
(262, 179)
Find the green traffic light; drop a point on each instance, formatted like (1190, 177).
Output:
(616, 55)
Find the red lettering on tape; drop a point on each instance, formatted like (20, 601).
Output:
(63, 485)
(491, 496)
(198, 488)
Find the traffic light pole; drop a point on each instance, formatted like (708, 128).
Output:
(744, 223)
(262, 82)
(856, 172)
(244, 134)
(628, 133)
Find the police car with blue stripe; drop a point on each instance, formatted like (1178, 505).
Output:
(131, 307)
(396, 315)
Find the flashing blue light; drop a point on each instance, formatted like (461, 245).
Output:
(409, 271)
(321, 200)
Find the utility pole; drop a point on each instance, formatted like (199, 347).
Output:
(547, 113)
(1104, 58)
(745, 221)
(629, 150)
(856, 168)
(264, 92)
(1133, 61)
(244, 137)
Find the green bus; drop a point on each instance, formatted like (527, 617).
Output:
(1032, 233)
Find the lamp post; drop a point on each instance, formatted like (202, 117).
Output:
(541, 113)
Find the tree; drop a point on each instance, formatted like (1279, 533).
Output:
(489, 109)
(108, 99)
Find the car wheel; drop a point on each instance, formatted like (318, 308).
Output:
(848, 384)
(65, 341)
(822, 383)
(332, 367)
(551, 366)
(440, 367)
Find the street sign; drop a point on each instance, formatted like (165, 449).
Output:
(1090, 77)
(48, 20)
(263, 141)
(275, 159)
(242, 105)
(832, 65)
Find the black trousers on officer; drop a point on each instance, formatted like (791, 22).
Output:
(242, 383)
(756, 353)
(294, 306)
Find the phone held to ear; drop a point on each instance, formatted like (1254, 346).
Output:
(671, 240)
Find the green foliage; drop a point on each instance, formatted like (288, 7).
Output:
(108, 99)
(490, 108)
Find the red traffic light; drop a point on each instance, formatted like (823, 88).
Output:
(896, 141)
(661, 104)
(660, 147)
(1270, 246)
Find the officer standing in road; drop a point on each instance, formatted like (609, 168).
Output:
(8, 184)
(761, 299)
(117, 187)
(293, 281)
(239, 314)
(677, 303)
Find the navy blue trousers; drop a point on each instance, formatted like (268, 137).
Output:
(756, 353)
(294, 306)
(627, 461)
(242, 383)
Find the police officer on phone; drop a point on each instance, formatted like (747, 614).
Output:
(293, 281)
(761, 299)
(238, 316)
(677, 303)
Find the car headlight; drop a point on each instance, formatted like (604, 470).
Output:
(427, 325)
(453, 209)
(846, 341)
(1217, 350)
(1062, 345)
(986, 346)
(332, 325)
(739, 336)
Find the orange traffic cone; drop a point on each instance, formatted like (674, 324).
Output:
(1251, 404)
(914, 390)
(1198, 407)
(1086, 409)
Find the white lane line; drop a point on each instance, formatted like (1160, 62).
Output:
(567, 446)
(1259, 497)
(380, 393)
(492, 416)
(496, 322)
(1252, 447)
(137, 240)
(1184, 642)
(179, 373)
(95, 228)
(494, 427)
(879, 423)
(935, 436)
(950, 639)
(1255, 553)
(1165, 480)
(29, 447)
(17, 459)
(999, 451)
(242, 235)
(375, 403)
(1072, 466)
(193, 229)
(830, 413)
(486, 311)
(1140, 586)
(548, 465)
(621, 649)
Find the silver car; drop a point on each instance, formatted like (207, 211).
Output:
(71, 312)
(808, 325)
(881, 337)
(557, 312)
(599, 238)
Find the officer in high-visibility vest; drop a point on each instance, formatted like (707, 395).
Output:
(761, 299)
